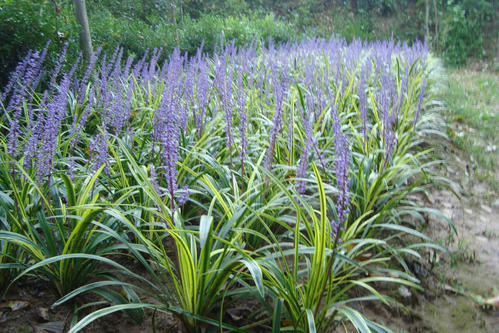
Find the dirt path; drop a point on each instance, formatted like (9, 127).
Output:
(469, 274)
(458, 284)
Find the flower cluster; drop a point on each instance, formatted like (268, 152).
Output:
(299, 91)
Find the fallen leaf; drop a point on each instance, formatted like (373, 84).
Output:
(486, 208)
(15, 305)
(364, 256)
(349, 246)
(404, 292)
(3, 317)
(43, 313)
(52, 327)
(493, 301)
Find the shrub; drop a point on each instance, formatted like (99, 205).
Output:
(464, 30)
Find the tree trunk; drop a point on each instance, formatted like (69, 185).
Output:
(436, 24)
(81, 17)
(427, 23)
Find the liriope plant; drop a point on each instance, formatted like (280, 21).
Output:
(57, 234)
(242, 153)
(192, 278)
(311, 275)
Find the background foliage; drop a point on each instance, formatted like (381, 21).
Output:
(459, 30)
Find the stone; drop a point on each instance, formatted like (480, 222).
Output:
(486, 208)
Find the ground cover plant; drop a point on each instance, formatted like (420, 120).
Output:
(285, 175)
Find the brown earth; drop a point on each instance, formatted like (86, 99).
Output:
(460, 284)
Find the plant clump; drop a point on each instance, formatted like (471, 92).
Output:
(285, 174)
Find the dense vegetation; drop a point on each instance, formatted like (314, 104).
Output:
(270, 153)
(287, 175)
(457, 29)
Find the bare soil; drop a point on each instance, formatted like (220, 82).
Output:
(457, 284)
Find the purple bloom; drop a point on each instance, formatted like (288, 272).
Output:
(29, 80)
(139, 65)
(128, 65)
(420, 101)
(153, 177)
(183, 195)
(73, 68)
(166, 130)
(78, 124)
(203, 91)
(99, 149)
(119, 113)
(58, 66)
(86, 76)
(31, 146)
(14, 130)
(224, 86)
(303, 164)
(16, 76)
(387, 121)
(55, 113)
(114, 56)
(242, 119)
(149, 71)
(39, 69)
(170, 151)
(116, 73)
(280, 90)
(389, 143)
(342, 162)
(362, 93)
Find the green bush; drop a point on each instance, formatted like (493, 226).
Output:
(136, 36)
(378, 6)
(135, 26)
(464, 30)
(24, 25)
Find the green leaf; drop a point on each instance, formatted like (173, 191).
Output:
(276, 316)
(204, 229)
(105, 311)
(311, 321)
(89, 287)
(355, 318)
(256, 273)
(69, 189)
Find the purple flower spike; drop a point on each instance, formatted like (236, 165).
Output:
(342, 163)
(203, 91)
(167, 131)
(420, 101)
(58, 66)
(303, 164)
(16, 76)
(56, 111)
(183, 195)
(86, 76)
(29, 80)
(100, 150)
(242, 119)
(153, 177)
(280, 89)
(362, 93)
